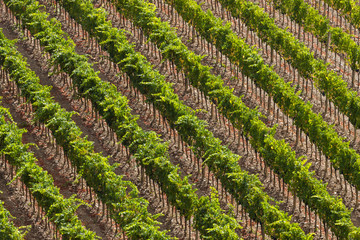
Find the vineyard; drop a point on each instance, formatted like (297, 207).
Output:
(179, 119)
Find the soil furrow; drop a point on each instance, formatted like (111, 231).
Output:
(191, 99)
(286, 128)
(182, 158)
(309, 92)
(336, 19)
(179, 20)
(103, 142)
(45, 152)
(17, 204)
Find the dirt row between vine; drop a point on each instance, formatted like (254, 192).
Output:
(94, 132)
(190, 98)
(166, 221)
(54, 165)
(290, 74)
(329, 111)
(286, 133)
(200, 184)
(220, 131)
(285, 22)
(350, 199)
(15, 201)
(341, 68)
(336, 21)
(45, 152)
(265, 112)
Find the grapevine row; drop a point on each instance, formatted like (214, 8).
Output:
(253, 66)
(7, 228)
(124, 208)
(59, 210)
(334, 87)
(313, 22)
(342, 156)
(231, 106)
(180, 115)
(167, 111)
(218, 158)
(147, 147)
(329, 82)
(349, 8)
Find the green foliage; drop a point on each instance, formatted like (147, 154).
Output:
(334, 87)
(147, 147)
(121, 196)
(276, 153)
(350, 9)
(38, 181)
(7, 228)
(149, 82)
